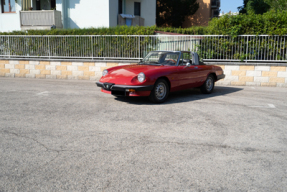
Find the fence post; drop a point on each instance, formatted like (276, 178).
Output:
(9, 46)
(49, 47)
(247, 50)
(92, 47)
(139, 46)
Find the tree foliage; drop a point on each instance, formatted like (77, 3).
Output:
(262, 6)
(254, 6)
(277, 5)
(269, 23)
(173, 12)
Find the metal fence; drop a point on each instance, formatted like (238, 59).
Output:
(130, 47)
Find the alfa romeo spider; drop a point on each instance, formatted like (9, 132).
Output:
(160, 73)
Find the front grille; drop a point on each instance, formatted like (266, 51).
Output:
(108, 86)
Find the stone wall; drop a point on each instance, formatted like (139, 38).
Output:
(236, 75)
(250, 75)
(54, 69)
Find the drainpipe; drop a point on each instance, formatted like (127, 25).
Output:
(65, 12)
(68, 13)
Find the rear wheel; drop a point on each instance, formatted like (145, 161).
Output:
(208, 85)
(160, 91)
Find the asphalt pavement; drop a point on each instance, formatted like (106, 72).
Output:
(66, 135)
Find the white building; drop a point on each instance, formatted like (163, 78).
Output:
(17, 14)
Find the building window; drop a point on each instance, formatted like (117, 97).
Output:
(8, 6)
(38, 5)
(120, 6)
(137, 9)
(53, 4)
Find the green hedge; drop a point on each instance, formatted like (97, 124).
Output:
(119, 30)
(270, 23)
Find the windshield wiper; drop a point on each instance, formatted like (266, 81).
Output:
(154, 62)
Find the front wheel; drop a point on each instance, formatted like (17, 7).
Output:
(160, 91)
(208, 85)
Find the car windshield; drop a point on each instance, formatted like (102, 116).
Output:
(161, 58)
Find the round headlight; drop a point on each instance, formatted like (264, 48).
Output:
(105, 72)
(141, 77)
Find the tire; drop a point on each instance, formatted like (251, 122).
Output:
(160, 91)
(208, 85)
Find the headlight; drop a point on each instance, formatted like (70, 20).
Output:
(105, 72)
(141, 77)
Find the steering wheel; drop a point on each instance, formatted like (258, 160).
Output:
(171, 61)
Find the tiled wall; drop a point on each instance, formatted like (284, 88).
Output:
(274, 76)
(235, 74)
(53, 70)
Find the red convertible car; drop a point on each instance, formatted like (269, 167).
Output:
(160, 73)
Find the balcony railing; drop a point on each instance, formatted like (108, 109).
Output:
(38, 19)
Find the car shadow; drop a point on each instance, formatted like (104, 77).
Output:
(181, 96)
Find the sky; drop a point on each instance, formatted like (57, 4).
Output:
(230, 5)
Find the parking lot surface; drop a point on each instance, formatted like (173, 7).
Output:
(68, 136)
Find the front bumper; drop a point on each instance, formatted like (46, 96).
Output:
(124, 90)
(220, 77)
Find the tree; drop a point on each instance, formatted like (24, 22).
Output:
(242, 9)
(173, 12)
(254, 6)
(277, 5)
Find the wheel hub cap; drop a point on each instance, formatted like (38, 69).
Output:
(209, 84)
(160, 91)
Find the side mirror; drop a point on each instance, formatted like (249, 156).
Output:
(188, 65)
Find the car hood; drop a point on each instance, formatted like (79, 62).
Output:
(127, 74)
